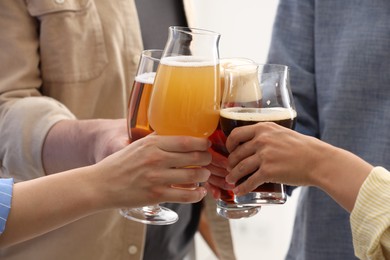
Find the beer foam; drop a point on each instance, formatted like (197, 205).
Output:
(188, 61)
(242, 83)
(258, 114)
(227, 62)
(146, 78)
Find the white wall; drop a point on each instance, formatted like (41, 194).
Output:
(246, 26)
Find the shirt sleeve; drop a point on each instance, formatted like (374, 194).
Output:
(6, 188)
(25, 115)
(370, 217)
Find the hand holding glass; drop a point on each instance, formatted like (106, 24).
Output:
(138, 127)
(245, 103)
(186, 95)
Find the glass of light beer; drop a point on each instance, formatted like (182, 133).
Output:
(186, 95)
(246, 103)
(226, 205)
(138, 126)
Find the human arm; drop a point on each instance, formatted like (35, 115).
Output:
(45, 85)
(138, 175)
(370, 222)
(82, 142)
(276, 154)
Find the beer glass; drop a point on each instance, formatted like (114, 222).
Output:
(138, 127)
(249, 101)
(226, 206)
(186, 95)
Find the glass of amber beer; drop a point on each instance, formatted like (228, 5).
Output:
(186, 94)
(226, 206)
(265, 97)
(138, 126)
(137, 121)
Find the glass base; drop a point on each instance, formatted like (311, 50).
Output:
(151, 215)
(254, 199)
(234, 211)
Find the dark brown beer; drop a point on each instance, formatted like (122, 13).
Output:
(138, 123)
(238, 116)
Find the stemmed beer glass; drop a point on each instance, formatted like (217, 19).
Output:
(246, 103)
(186, 95)
(138, 126)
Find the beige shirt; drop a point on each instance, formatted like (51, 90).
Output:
(65, 59)
(370, 217)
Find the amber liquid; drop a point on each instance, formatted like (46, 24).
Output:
(186, 98)
(218, 140)
(138, 123)
(238, 116)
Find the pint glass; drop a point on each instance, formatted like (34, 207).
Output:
(246, 103)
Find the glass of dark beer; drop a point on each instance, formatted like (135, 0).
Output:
(247, 101)
(226, 205)
(138, 126)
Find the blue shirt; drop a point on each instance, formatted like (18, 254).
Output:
(338, 52)
(6, 187)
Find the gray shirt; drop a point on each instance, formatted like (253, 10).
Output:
(339, 58)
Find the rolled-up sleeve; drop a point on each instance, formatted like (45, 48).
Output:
(370, 217)
(6, 188)
(25, 115)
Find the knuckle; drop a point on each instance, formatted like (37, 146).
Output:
(153, 178)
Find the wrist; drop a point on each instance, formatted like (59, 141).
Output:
(95, 195)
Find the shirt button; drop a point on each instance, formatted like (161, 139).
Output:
(132, 250)
(59, 1)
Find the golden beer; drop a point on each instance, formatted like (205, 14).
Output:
(186, 97)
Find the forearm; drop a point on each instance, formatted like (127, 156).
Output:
(77, 143)
(340, 174)
(66, 146)
(47, 203)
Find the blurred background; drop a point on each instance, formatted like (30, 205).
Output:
(246, 28)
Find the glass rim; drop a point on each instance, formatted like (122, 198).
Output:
(281, 67)
(193, 30)
(242, 60)
(149, 54)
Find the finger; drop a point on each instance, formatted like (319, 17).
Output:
(239, 135)
(185, 176)
(241, 152)
(182, 143)
(242, 169)
(250, 184)
(179, 160)
(215, 191)
(175, 195)
(217, 171)
(220, 182)
(219, 160)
